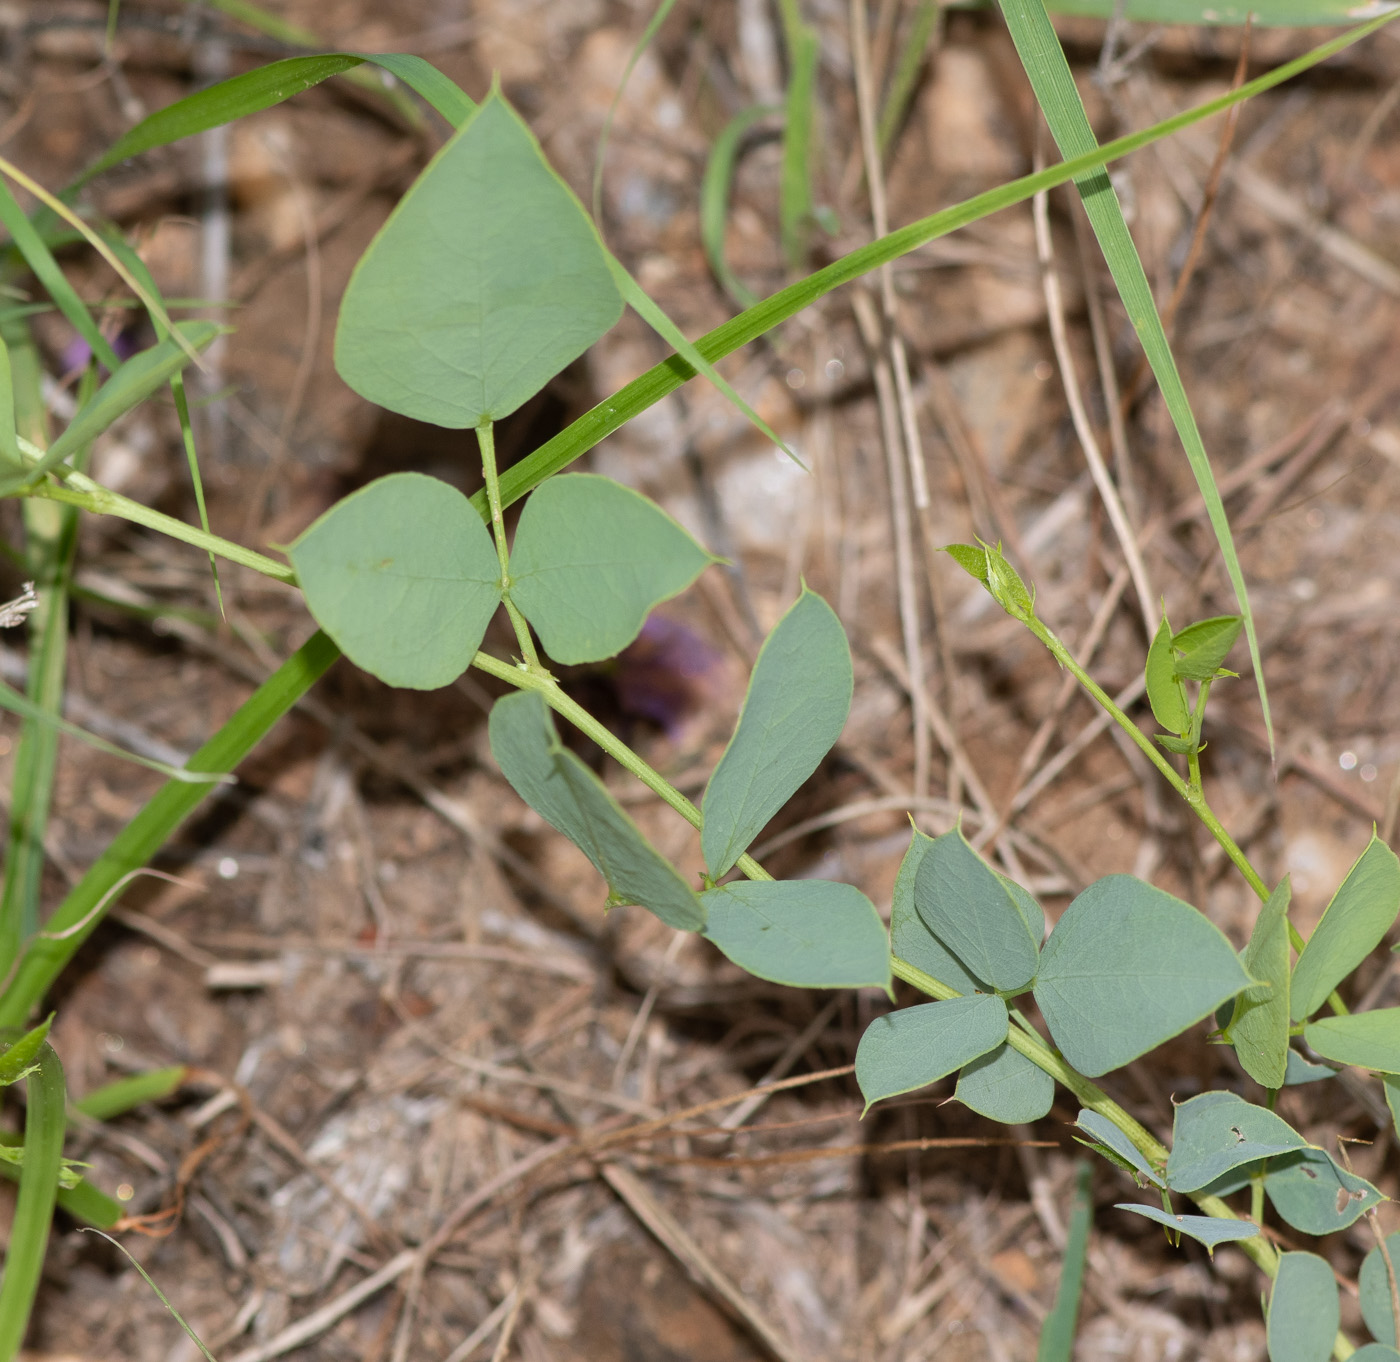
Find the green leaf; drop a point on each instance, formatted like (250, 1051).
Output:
(1259, 1028)
(1369, 1040)
(916, 1046)
(806, 933)
(486, 281)
(1007, 587)
(1057, 1333)
(18, 1058)
(990, 923)
(1209, 1230)
(1219, 1131)
(590, 560)
(714, 197)
(1375, 1352)
(1171, 743)
(112, 1099)
(1358, 917)
(1311, 1192)
(1164, 691)
(1302, 1070)
(1391, 1084)
(404, 577)
(910, 938)
(131, 385)
(1377, 1308)
(1127, 967)
(1005, 1086)
(1274, 13)
(972, 558)
(671, 373)
(1201, 648)
(568, 796)
(795, 211)
(798, 698)
(1305, 1310)
(1055, 91)
(9, 444)
(1117, 1145)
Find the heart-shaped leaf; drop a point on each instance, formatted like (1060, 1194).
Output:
(1219, 1131)
(1127, 967)
(1304, 1310)
(590, 560)
(798, 698)
(567, 795)
(1003, 1085)
(487, 279)
(806, 933)
(403, 576)
(916, 1046)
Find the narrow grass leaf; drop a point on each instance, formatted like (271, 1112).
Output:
(1304, 1310)
(1003, 1085)
(1200, 649)
(44, 1126)
(404, 577)
(18, 1058)
(1164, 692)
(1259, 1027)
(1101, 1129)
(916, 1046)
(1369, 1040)
(795, 211)
(1377, 1306)
(1057, 1333)
(798, 698)
(1272, 13)
(82, 911)
(1055, 92)
(487, 279)
(1212, 1231)
(990, 923)
(114, 1099)
(664, 378)
(569, 797)
(1315, 1195)
(590, 561)
(1219, 1131)
(9, 445)
(912, 52)
(82, 1200)
(1356, 920)
(805, 933)
(715, 189)
(1127, 967)
(910, 938)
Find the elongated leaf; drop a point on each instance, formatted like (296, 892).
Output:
(910, 938)
(252, 91)
(1274, 13)
(913, 48)
(1259, 1029)
(795, 211)
(615, 411)
(404, 577)
(1201, 648)
(1358, 916)
(1209, 1230)
(38, 1186)
(1219, 1131)
(131, 385)
(568, 796)
(1101, 1129)
(18, 1058)
(486, 281)
(1370, 1040)
(990, 923)
(807, 933)
(1003, 1085)
(714, 197)
(798, 698)
(916, 1046)
(1044, 60)
(1057, 1333)
(1375, 1352)
(1302, 1070)
(112, 1099)
(82, 911)
(9, 444)
(1391, 1084)
(1304, 1310)
(1315, 1195)
(591, 559)
(1164, 691)
(1377, 1306)
(1127, 967)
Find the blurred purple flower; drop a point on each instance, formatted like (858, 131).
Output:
(660, 677)
(78, 352)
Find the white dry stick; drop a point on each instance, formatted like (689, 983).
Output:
(15, 612)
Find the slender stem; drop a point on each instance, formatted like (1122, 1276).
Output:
(486, 438)
(1193, 755)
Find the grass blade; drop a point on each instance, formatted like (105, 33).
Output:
(664, 378)
(906, 73)
(80, 913)
(113, 1099)
(1044, 60)
(795, 212)
(44, 1125)
(1057, 1333)
(714, 197)
(83, 1201)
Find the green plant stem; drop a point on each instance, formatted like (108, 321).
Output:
(486, 438)
(77, 489)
